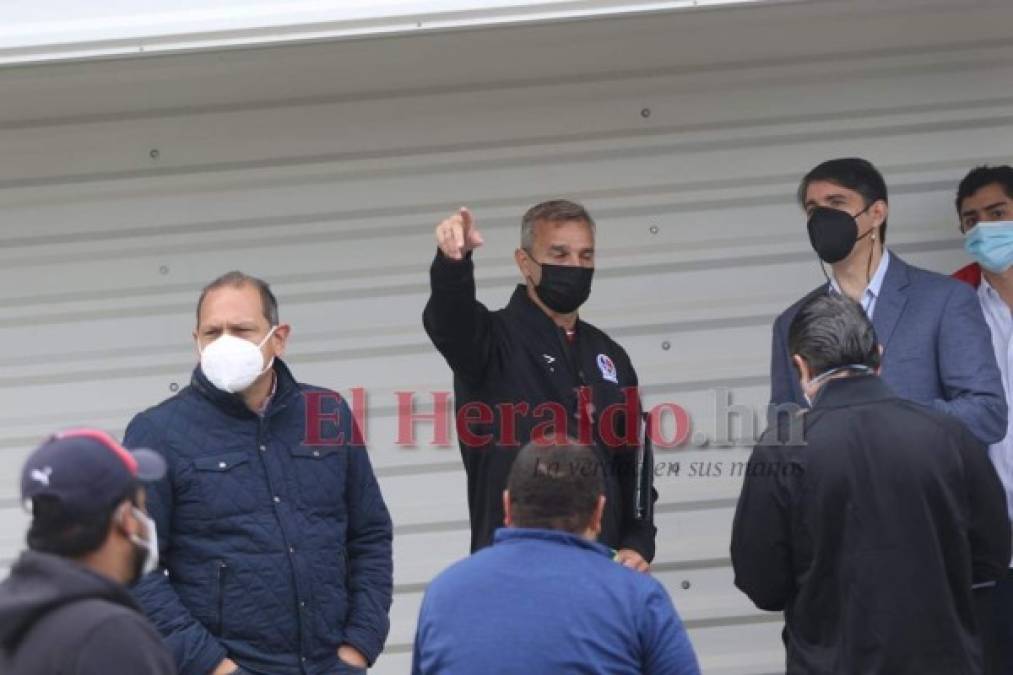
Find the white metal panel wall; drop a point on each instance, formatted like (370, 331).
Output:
(126, 186)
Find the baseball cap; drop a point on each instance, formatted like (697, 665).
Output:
(86, 470)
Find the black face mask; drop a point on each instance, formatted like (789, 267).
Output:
(833, 233)
(564, 288)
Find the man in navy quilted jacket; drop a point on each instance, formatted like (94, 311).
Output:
(277, 542)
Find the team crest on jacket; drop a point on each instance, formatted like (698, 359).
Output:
(607, 368)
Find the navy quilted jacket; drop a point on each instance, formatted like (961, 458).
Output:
(275, 552)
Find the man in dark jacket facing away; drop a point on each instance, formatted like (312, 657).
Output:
(872, 534)
(277, 543)
(535, 371)
(65, 608)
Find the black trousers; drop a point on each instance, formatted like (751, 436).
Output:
(1002, 624)
(994, 609)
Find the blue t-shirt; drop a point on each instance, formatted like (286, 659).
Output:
(543, 601)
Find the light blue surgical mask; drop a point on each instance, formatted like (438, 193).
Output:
(991, 245)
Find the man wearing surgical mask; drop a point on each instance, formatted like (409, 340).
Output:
(276, 549)
(935, 339)
(534, 371)
(985, 210)
(65, 608)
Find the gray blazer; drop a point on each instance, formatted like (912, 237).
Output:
(936, 349)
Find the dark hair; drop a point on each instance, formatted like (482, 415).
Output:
(555, 487)
(983, 176)
(554, 211)
(237, 279)
(852, 173)
(56, 530)
(831, 331)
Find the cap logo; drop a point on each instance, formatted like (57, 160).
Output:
(42, 475)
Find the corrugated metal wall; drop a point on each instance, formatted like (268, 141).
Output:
(124, 186)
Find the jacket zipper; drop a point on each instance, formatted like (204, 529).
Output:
(222, 567)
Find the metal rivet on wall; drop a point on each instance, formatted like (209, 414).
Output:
(666, 345)
(154, 153)
(686, 585)
(164, 269)
(173, 386)
(654, 229)
(645, 113)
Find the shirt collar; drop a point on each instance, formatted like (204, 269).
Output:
(985, 290)
(267, 401)
(506, 535)
(875, 284)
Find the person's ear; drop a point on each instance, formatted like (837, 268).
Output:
(507, 517)
(598, 516)
(879, 212)
(802, 367)
(529, 270)
(125, 521)
(280, 338)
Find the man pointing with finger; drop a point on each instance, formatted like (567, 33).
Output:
(533, 371)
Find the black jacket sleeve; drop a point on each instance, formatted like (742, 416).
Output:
(988, 520)
(457, 323)
(761, 531)
(124, 644)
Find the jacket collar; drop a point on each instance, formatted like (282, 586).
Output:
(531, 316)
(853, 390)
(233, 404)
(892, 299)
(513, 535)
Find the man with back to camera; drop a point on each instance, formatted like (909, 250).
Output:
(65, 607)
(558, 604)
(277, 550)
(535, 360)
(937, 349)
(872, 534)
(985, 209)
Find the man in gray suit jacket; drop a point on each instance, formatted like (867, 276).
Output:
(936, 344)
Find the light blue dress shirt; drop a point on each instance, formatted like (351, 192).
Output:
(871, 293)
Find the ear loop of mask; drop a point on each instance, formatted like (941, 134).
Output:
(261, 346)
(200, 350)
(872, 247)
(532, 259)
(822, 377)
(868, 269)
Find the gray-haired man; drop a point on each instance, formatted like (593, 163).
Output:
(534, 371)
(872, 534)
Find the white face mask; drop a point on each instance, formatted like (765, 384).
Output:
(232, 364)
(150, 544)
